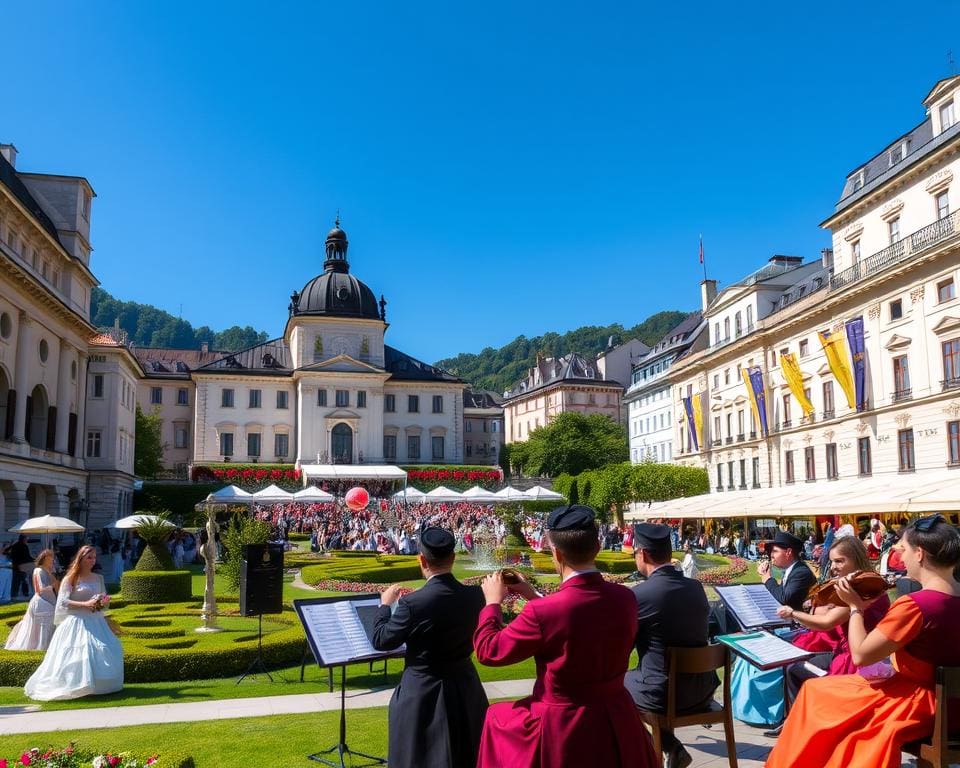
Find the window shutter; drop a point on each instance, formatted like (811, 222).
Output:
(72, 435)
(11, 413)
(51, 427)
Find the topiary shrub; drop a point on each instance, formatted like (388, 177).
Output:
(156, 586)
(380, 570)
(616, 562)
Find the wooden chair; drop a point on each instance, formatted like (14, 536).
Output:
(707, 658)
(943, 749)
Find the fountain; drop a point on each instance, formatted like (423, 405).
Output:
(484, 552)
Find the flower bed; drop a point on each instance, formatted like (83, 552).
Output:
(247, 474)
(724, 574)
(82, 757)
(458, 478)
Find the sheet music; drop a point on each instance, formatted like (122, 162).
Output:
(337, 630)
(763, 649)
(751, 604)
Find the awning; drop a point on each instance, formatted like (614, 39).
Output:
(312, 495)
(353, 472)
(272, 494)
(230, 494)
(479, 495)
(410, 494)
(539, 493)
(511, 494)
(442, 494)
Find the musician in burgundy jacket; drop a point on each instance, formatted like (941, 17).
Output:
(581, 637)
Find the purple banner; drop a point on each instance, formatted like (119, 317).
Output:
(858, 355)
(756, 383)
(691, 424)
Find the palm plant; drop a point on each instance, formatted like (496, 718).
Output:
(155, 530)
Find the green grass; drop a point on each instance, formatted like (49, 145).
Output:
(275, 740)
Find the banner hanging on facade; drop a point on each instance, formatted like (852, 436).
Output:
(858, 356)
(836, 352)
(759, 397)
(794, 377)
(691, 426)
(698, 416)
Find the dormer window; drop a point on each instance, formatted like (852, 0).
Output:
(946, 115)
(897, 152)
(857, 179)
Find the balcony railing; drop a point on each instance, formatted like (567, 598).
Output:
(753, 434)
(728, 440)
(741, 437)
(953, 383)
(717, 443)
(898, 252)
(902, 394)
(787, 423)
(827, 415)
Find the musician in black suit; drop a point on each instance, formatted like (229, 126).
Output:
(673, 612)
(797, 578)
(437, 710)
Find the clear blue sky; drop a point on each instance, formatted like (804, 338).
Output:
(502, 168)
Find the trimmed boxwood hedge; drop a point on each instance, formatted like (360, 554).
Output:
(616, 562)
(379, 570)
(156, 586)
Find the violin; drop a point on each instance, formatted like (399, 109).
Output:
(867, 584)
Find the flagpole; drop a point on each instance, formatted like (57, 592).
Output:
(702, 262)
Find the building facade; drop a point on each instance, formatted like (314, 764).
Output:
(893, 268)
(482, 426)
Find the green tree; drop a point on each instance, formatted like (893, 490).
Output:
(243, 530)
(235, 338)
(148, 444)
(573, 443)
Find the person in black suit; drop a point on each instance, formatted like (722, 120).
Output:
(797, 578)
(673, 611)
(437, 711)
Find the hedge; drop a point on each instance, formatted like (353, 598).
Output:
(179, 498)
(84, 755)
(156, 586)
(616, 562)
(383, 569)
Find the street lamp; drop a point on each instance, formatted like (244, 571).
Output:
(209, 611)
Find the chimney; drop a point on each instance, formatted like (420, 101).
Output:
(9, 153)
(826, 258)
(204, 347)
(708, 292)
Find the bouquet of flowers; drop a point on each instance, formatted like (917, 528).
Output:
(101, 602)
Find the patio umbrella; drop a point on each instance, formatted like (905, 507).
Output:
(47, 524)
(136, 520)
(312, 494)
(539, 493)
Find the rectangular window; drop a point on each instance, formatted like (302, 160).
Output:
(413, 406)
(943, 205)
(896, 309)
(182, 397)
(438, 403)
(413, 446)
(743, 474)
(809, 464)
(179, 437)
(946, 115)
(716, 381)
(254, 398)
(756, 472)
(390, 447)
(156, 395)
(226, 398)
(343, 398)
(855, 251)
(226, 444)
(470, 426)
(787, 421)
(281, 445)
(951, 363)
(282, 399)
(389, 403)
(253, 444)
(93, 444)
(98, 385)
(953, 442)
(436, 443)
(322, 398)
(833, 471)
(901, 378)
(726, 375)
(864, 459)
(730, 485)
(828, 407)
(896, 154)
(361, 399)
(893, 229)
(946, 290)
(719, 476)
(804, 348)
(729, 427)
(905, 450)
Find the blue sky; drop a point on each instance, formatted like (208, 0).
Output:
(501, 168)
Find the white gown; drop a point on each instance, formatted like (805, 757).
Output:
(84, 657)
(34, 630)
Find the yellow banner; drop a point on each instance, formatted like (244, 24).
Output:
(835, 348)
(697, 405)
(791, 372)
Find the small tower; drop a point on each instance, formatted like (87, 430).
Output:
(336, 250)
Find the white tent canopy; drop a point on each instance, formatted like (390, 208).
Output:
(443, 494)
(272, 493)
(410, 494)
(136, 520)
(479, 495)
(353, 472)
(511, 494)
(539, 493)
(231, 494)
(47, 524)
(312, 495)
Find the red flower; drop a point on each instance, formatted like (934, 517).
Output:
(113, 760)
(231, 473)
(25, 758)
(276, 474)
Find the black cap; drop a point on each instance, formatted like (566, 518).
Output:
(787, 541)
(650, 536)
(573, 517)
(438, 542)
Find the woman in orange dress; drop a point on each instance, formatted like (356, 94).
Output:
(847, 720)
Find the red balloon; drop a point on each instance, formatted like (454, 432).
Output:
(357, 498)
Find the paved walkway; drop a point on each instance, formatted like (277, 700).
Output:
(706, 745)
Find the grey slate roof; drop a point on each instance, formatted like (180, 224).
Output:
(481, 398)
(405, 368)
(551, 370)
(270, 358)
(10, 179)
(675, 338)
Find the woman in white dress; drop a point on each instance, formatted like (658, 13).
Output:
(35, 629)
(84, 657)
(689, 566)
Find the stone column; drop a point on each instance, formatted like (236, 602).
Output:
(81, 404)
(20, 374)
(63, 397)
(16, 506)
(57, 501)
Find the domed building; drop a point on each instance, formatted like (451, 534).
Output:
(329, 391)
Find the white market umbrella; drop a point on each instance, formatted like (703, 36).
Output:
(511, 494)
(312, 495)
(136, 520)
(231, 494)
(272, 493)
(539, 493)
(410, 494)
(479, 495)
(443, 494)
(47, 524)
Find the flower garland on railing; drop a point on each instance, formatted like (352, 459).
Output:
(724, 574)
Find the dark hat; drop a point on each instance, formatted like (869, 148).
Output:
(650, 536)
(573, 517)
(437, 542)
(787, 541)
